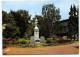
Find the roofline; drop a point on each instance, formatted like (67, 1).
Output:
(64, 20)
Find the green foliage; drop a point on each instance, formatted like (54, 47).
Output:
(5, 17)
(25, 35)
(23, 41)
(53, 40)
(46, 22)
(16, 23)
(57, 27)
(49, 41)
(29, 32)
(50, 16)
(22, 18)
(27, 41)
(53, 37)
(10, 31)
(4, 26)
(73, 21)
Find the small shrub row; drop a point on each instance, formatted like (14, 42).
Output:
(61, 40)
(23, 41)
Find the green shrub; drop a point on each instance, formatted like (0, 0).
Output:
(53, 37)
(27, 41)
(23, 41)
(54, 41)
(16, 38)
(48, 41)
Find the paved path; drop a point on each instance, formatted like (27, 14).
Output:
(62, 49)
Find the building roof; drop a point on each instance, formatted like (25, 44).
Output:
(64, 20)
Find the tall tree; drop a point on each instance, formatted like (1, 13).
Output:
(50, 16)
(73, 21)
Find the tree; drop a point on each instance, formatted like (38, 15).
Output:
(4, 17)
(73, 21)
(17, 23)
(10, 29)
(50, 16)
(22, 18)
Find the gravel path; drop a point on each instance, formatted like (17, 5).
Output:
(61, 49)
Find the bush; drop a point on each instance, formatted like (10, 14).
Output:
(48, 41)
(61, 40)
(23, 41)
(4, 46)
(4, 42)
(11, 41)
(51, 41)
(27, 41)
(53, 37)
(17, 42)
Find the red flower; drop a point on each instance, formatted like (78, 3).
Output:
(9, 39)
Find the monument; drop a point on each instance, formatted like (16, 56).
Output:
(35, 39)
(36, 32)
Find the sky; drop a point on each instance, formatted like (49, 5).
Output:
(33, 6)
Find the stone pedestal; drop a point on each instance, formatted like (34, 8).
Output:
(42, 39)
(32, 41)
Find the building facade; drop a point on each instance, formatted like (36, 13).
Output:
(63, 30)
